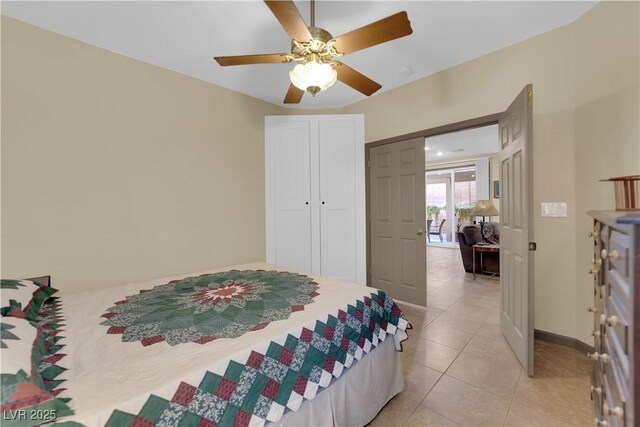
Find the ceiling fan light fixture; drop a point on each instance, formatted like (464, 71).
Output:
(316, 50)
(313, 76)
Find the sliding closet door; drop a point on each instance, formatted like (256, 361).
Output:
(288, 193)
(341, 194)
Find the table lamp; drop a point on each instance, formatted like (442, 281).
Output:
(484, 208)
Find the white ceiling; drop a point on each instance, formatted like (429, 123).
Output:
(466, 144)
(184, 36)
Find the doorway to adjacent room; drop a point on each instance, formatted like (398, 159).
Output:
(397, 217)
(461, 167)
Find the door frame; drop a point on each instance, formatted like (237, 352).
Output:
(490, 119)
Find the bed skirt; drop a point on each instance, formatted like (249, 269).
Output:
(357, 396)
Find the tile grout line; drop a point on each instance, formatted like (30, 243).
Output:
(460, 351)
(425, 398)
(506, 417)
(473, 294)
(481, 388)
(469, 384)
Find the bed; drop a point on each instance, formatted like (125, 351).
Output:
(251, 344)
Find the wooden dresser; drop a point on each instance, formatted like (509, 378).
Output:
(615, 381)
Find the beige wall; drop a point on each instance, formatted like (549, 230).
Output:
(135, 172)
(114, 170)
(607, 123)
(488, 85)
(585, 79)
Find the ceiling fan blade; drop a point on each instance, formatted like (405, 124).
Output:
(294, 95)
(384, 30)
(267, 58)
(359, 82)
(289, 17)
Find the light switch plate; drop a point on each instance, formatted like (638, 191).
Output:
(553, 209)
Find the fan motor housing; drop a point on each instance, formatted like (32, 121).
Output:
(318, 34)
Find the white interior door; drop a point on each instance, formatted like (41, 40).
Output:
(288, 194)
(341, 163)
(516, 231)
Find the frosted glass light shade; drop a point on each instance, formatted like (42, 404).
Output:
(313, 74)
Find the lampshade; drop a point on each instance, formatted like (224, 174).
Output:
(313, 76)
(484, 208)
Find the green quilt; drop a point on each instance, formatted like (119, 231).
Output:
(266, 384)
(203, 308)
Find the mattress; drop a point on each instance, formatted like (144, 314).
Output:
(248, 351)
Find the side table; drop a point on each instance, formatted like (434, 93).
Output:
(481, 249)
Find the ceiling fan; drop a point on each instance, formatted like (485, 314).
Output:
(315, 50)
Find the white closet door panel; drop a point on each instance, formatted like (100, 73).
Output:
(291, 190)
(316, 159)
(338, 254)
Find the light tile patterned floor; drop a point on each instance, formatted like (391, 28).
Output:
(459, 370)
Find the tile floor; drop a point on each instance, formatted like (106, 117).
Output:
(459, 370)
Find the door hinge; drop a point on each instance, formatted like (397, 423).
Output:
(368, 163)
(532, 246)
(530, 94)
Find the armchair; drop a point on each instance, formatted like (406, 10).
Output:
(469, 236)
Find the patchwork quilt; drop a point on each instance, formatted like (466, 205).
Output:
(237, 346)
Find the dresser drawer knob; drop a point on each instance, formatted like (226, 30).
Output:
(595, 333)
(600, 423)
(596, 390)
(592, 310)
(604, 357)
(616, 411)
(593, 270)
(609, 321)
(594, 234)
(610, 254)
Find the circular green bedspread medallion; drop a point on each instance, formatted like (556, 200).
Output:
(200, 309)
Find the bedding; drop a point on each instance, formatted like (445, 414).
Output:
(25, 398)
(16, 342)
(246, 345)
(24, 298)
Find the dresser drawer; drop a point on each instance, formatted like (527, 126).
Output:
(617, 284)
(614, 402)
(597, 392)
(613, 346)
(617, 320)
(602, 238)
(618, 253)
(598, 337)
(599, 296)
